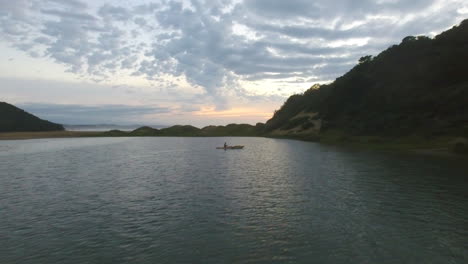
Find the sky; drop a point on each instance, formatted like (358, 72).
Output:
(198, 62)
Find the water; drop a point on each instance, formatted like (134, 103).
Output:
(179, 200)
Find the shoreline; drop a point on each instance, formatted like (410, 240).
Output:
(48, 134)
(437, 146)
(442, 146)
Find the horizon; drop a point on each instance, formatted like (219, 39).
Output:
(191, 62)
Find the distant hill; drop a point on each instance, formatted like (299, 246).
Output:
(191, 131)
(419, 87)
(14, 119)
(233, 130)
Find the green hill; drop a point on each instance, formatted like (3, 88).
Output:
(191, 131)
(145, 131)
(13, 119)
(419, 87)
(180, 131)
(232, 130)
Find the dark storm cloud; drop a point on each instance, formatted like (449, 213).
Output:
(214, 44)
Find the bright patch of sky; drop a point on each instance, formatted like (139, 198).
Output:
(194, 62)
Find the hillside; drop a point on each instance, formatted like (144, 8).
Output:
(191, 131)
(419, 87)
(13, 119)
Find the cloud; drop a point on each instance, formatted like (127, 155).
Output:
(214, 45)
(14, 9)
(329, 10)
(114, 12)
(281, 9)
(71, 3)
(86, 114)
(68, 14)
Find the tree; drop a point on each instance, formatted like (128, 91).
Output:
(365, 59)
(408, 39)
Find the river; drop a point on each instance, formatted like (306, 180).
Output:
(180, 200)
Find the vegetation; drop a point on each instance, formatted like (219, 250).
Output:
(460, 146)
(232, 130)
(180, 131)
(13, 119)
(419, 87)
(114, 133)
(144, 131)
(411, 96)
(48, 134)
(191, 131)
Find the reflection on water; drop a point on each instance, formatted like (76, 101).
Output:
(179, 200)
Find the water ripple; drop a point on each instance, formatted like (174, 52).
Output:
(179, 200)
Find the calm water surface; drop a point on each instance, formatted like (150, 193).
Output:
(179, 200)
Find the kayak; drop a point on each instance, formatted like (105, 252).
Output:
(231, 147)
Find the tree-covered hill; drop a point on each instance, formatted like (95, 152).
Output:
(191, 131)
(13, 119)
(417, 87)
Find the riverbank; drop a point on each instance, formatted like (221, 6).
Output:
(417, 144)
(442, 145)
(48, 134)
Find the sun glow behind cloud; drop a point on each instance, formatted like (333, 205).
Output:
(204, 61)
